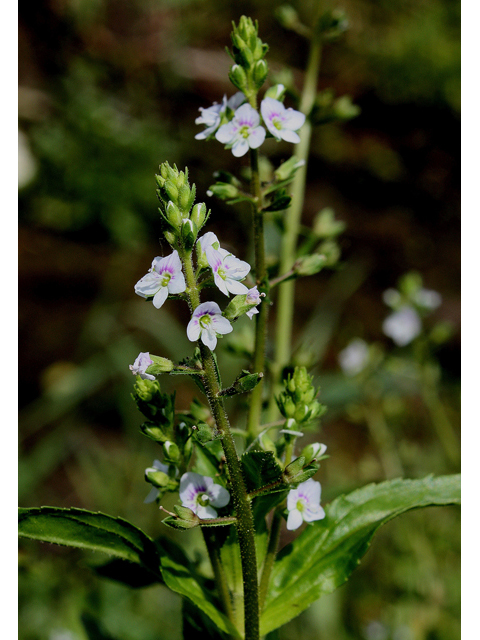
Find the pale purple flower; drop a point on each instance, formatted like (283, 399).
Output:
(207, 321)
(164, 277)
(303, 504)
(281, 122)
(211, 117)
(141, 364)
(227, 271)
(428, 299)
(242, 132)
(201, 494)
(253, 297)
(154, 491)
(402, 326)
(354, 357)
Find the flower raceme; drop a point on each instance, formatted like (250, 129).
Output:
(164, 277)
(200, 494)
(303, 504)
(206, 323)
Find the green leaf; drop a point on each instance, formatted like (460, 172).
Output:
(326, 553)
(94, 531)
(260, 468)
(117, 537)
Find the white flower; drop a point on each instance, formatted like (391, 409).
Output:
(281, 122)
(303, 503)
(165, 276)
(212, 116)
(141, 364)
(227, 271)
(253, 297)
(207, 321)
(201, 494)
(428, 299)
(354, 357)
(208, 240)
(402, 326)
(243, 132)
(154, 492)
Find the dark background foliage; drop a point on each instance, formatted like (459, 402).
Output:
(109, 89)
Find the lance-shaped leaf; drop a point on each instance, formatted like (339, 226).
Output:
(94, 531)
(326, 553)
(117, 537)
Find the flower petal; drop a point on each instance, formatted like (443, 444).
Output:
(221, 325)
(219, 496)
(294, 520)
(209, 339)
(193, 330)
(240, 147)
(205, 512)
(289, 136)
(152, 496)
(160, 297)
(256, 137)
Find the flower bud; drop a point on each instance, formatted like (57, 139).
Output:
(223, 190)
(170, 237)
(160, 365)
(288, 169)
(199, 214)
(313, 452)
(309, 265)
(184, 198)
(294, 468)
(325, 225)
(184, 518)
(173, 215)
(260, 72)
(171, 190)
(171, 452)
(156, 478)
(238, 77)
(153, 431)
(276, 92)
(189, 233)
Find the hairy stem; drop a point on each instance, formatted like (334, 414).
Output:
(220, 580)
(244, 522)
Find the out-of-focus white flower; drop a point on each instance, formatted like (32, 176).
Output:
(211, 117)
(243, 132)
(154, 492)
(227, 271)
(402, 326)
(141, 364)
(303, 504)
(281, 122)
(164, 276)
(354, 358)
(207, 321)
(201, 494)
(27, 164)
(392, 297)
(253, 297)
(428, 299)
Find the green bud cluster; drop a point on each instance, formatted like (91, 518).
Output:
(309, 265)
(298, 401)
(248, 52)
(158, 407)
(182, 220)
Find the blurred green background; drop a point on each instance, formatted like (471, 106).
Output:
(109, 89)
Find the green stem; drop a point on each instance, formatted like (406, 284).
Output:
(384, 441)
(220, 580)
(255, 411)
(273, 540)
(244, 523)
(285, 305)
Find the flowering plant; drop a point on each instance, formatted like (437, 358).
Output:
(239, 493)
